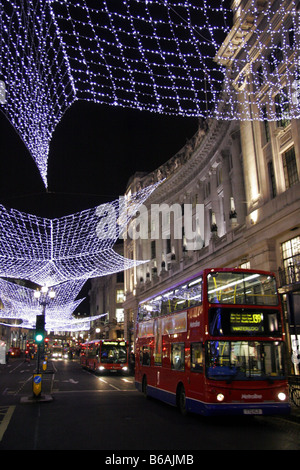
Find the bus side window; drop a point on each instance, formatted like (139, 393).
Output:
(177, 356)
(196, 357)
(145, 356)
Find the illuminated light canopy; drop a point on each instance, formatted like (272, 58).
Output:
(71, 324)
(169, 57)
(53, 325)
(19, 303)
(62, 254)
(77, 246)
(20, 296)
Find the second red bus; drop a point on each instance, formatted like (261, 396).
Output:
(102, 356)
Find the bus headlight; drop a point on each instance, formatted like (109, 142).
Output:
(282, 396)
(220, 397)
(101, 367)
(125, 368)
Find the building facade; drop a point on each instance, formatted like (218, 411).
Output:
(106, 298)
(245, 174)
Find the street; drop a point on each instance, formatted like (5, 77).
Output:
(90, 412)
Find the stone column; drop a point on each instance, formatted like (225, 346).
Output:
(250, 165)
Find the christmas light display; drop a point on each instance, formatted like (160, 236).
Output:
(169, 57)
(21, 296)
(77, 246)
(19, 302)
(61, 253)
(68, 325)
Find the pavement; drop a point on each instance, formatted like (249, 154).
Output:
(295, 413)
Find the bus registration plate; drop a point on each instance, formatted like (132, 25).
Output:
(253, 411)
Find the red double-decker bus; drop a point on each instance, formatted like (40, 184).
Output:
(105, 356)
(214, 345)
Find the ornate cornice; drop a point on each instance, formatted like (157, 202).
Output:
(187, 164)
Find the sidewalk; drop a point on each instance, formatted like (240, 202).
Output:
(295, 413)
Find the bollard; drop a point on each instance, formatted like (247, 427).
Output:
(37, 385)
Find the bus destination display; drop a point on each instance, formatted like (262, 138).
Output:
(250, 322)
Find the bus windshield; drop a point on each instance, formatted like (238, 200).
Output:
(225, 287)
(244, 360)
(113, 353)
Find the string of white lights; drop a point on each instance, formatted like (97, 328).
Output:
(76, 246)
(61, 253)
(68, 325)
(38, 87)
(173, 57)
(19, 294)
(20, 303)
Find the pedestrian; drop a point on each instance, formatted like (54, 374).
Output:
(132, 363)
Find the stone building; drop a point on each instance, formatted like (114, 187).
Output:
(106, 297)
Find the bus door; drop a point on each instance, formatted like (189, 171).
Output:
(196, 372)
(157, 348)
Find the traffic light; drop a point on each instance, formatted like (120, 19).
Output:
(40, 329)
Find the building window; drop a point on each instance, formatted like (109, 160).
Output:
(120, 315)
(153, 249)
(282, 108)
(168, 245)
(272, 180)
(290, 256)
(120, 296)
(207, 189)
(260, 75)
(266, 125)
(290, 167)
(245, 265)
(292, 38)
(276, 57)
(219, 175)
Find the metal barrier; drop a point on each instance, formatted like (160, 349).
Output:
(294, 389)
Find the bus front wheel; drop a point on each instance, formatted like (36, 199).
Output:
(181, 400)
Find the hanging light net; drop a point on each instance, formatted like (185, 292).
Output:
(179, 57)
(76, 246)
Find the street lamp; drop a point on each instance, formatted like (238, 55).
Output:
(44, 296)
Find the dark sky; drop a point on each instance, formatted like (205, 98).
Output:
(94, 151)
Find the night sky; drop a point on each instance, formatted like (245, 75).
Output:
(94, 151)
